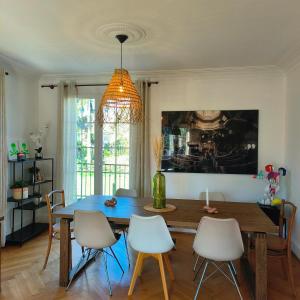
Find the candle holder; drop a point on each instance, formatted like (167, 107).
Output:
(210, 210)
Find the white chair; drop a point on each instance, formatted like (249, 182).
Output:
(131, 193)
(93, 231)
(150, 237)
(218, 240)
(214, 196)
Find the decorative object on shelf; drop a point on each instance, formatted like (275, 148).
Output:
(275, 190)
(159, 180)
(36, 174)
(19, 153)
(210, 141)
(38, 138)
(111, 202)
(38, 200)
(120, 102)
(19, 190)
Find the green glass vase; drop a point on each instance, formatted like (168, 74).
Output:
(159, 190)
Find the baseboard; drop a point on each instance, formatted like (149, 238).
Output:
(296, 249)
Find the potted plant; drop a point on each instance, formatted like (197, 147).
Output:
(19, 190)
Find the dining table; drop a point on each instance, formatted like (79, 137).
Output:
(252, 221)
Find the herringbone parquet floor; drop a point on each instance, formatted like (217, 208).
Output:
(22, 277)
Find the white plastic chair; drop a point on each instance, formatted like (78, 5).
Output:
(93, 231)
(131, 193)
(150, 237)
(218, 240)
(214, 196)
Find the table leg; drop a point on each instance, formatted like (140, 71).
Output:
(65, 252)
(260, 266)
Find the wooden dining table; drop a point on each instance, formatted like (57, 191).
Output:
(188, 213)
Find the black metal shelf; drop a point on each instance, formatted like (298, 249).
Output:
(11, 199)
(31, 206)
(29, 159)
(26, 233)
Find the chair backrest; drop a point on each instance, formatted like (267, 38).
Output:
(92, 230)
(218, 239)
(149, 234)
(287, 221)
(126, 193)
(52, 206)
(214, 196)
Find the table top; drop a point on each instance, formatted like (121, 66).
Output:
(187, 215)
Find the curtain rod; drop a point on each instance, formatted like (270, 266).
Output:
(52, 86)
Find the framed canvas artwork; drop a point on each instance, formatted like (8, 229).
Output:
(210, 141)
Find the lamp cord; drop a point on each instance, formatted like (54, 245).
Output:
(122, 64)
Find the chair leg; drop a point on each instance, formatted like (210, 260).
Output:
(201, 280)
(163, 276)
(48, 250)
(126, 246)
(234, 280)
(106, 272)
(196, 262)
(290, 274)
(196, 274)
(114, 255)
(169, 266)
(135, 273)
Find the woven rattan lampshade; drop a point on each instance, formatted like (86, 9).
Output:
(120, 102)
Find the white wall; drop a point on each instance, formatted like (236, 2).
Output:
(21, 108)
(293, 146)
(235, 89)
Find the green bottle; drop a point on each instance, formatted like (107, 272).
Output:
(159, 190)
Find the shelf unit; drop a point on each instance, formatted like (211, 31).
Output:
(25, 233)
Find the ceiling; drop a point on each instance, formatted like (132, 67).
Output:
(76, 36)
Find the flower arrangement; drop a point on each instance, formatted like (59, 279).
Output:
(158, 146)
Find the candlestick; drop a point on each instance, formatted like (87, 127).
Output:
(207, 198)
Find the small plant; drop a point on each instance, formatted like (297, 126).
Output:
(19, 184)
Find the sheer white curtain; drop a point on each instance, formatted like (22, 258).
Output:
(3, 156)
(66, 140)
(139, 160)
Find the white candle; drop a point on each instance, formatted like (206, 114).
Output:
(207, 198)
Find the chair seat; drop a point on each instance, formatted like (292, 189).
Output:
(56, 227)
(276, 243)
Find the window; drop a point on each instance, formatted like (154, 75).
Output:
(85, 161)
(109, 170)
(115, 171)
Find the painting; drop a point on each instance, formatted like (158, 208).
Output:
(210, 141)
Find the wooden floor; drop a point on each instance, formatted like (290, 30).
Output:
(22, 277)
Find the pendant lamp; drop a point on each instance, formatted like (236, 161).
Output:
(120, 102)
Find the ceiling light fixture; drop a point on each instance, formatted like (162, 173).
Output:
(120, 102)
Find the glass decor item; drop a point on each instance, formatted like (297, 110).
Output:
(159, 190)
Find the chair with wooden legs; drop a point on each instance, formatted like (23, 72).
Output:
(54, 228)
(280, 246)
(150, 237)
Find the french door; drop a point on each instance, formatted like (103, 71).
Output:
(102, 162)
